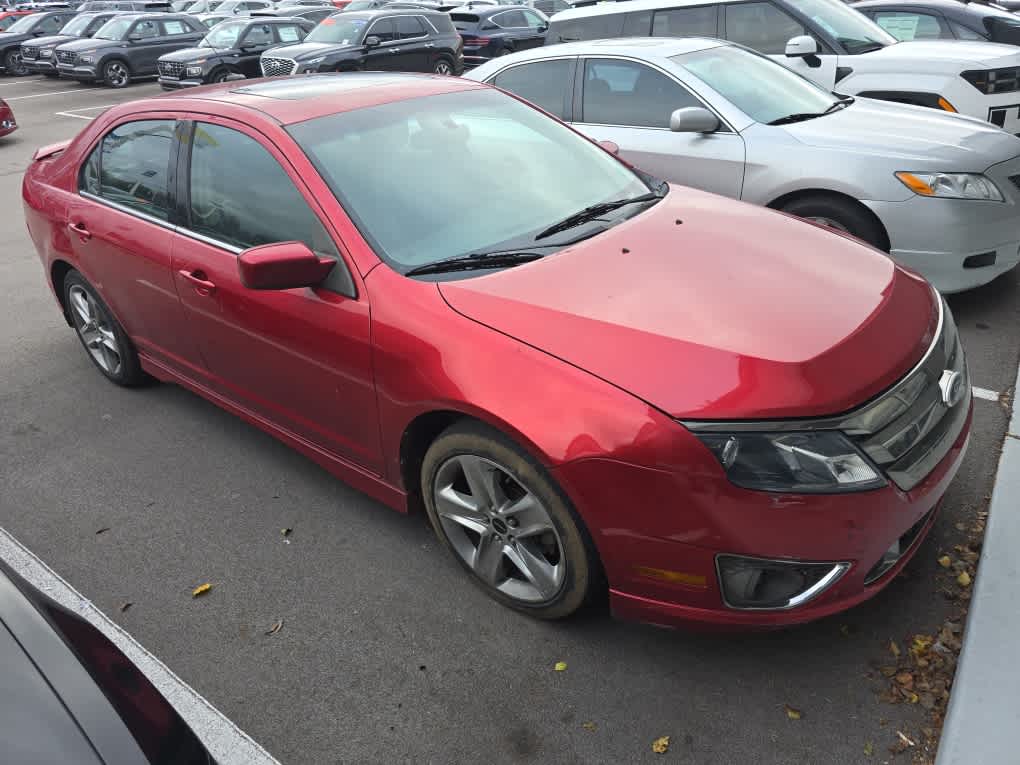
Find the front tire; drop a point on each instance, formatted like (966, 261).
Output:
(13, 65)
(840, 214)
(102, 336)
(443, 67)
(220, 75)
(116, 74)
(507, 523)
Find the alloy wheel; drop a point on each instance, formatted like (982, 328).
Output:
(117, 74)
(94, 329)
(15, 65)
(501, 531)
(443, 67)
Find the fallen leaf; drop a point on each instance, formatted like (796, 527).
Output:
(888, 671)
(921, 644)
(286, 532)
(103, 530)
(910, 696)
(869, 749)
(125, 606)
(793, 714)
(894, 649)
(905, 679)
(963, 579)
(560, 666)
(202, 589)
(589, 726)
(905, 739)
(945, 561)
(661, 745)
(275, 628)
(845, 630)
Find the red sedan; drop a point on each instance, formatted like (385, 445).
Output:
(7, 122)
(453, 301)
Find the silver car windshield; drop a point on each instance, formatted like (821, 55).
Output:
(518, 170)
(762, 89)
(223, 35)
(851, 28)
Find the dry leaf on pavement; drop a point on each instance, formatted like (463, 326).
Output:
(894, 649)
(945, 561)
(286, 532)
(963, 579)
(793, 714)
(202, 589)
(589, 726)
(125, 606)
(560, 666)
(661, 745)
(869, 749)
(275, 628)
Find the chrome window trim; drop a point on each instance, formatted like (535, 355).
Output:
(183, 231)
(831, 577)
(129, 210)
(837, 422)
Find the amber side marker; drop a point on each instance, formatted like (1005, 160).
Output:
(673, 577)
(945, 105)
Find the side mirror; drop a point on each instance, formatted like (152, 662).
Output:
(801, 47)
(282, 266)
(693, 119)
(372, 41)
(543, 27)
(611, 146)
(134, 39)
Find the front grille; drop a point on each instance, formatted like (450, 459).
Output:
(66, 56)
(910, 428)
(278, 67)
(171, 69)
(29, 54)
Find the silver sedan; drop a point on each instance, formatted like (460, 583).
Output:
(939, 192)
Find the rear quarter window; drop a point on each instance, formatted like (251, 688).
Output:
(586, 28)
(442, 24)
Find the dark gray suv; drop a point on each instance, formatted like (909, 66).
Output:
(127, 47)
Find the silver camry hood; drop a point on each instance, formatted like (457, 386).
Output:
(922, 135)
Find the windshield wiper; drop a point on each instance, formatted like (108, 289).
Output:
(594, 211)
(842, 103)
(856, 47)
(476, 260)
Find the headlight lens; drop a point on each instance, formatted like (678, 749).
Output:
(45, 52)
(86, 59)
(951, 185)
(810, 463)
(194, 71)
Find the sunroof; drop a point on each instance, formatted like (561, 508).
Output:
(295, 89)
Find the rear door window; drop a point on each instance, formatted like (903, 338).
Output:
(510, 20)
(288, 33)
(546, 84)
(145, 30)
(175, 27)
(697, 21)
(129, 167)
(761, 26)
(409, 27)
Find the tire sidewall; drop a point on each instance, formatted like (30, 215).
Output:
(8, 70)
(443, 60)
(130, 372)
(578, 552)
(856, 222)
(106, 75)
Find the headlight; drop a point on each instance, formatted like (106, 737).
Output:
(45, 52)
(951, 185)
(193, 71)
(805, 462)
(86, 59)
(309, 66)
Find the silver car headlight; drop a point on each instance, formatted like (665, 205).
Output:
(46, 53)
(194, 71)
(86, 59)
(951, 185)
(815, 462)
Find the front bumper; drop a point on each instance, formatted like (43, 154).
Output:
(82, 72)
(956, 244)
(170, 83)
(667, 575)
(40, 65)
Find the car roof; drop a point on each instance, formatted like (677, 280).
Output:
(948, 7)
(489, 10)
(636, 47)
(603, 9)
(289, 100)
(382, 12)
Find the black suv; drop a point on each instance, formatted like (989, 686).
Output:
(496, 30)
(127, 46)
(313, 13)
(231, 48)
(24, 29)
(388, 40)
(37, 54)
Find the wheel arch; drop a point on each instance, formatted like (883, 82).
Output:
(779, 202)
(58, 272)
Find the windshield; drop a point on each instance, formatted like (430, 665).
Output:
(337, 29)
(758, 86)
(851, 29)
(114, 29)
(179, 5)
(359, 5)
(77, 25)
(223, 35)
(23, 24)
(518, 171)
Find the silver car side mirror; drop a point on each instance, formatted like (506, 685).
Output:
(693, 119)
(801, 46)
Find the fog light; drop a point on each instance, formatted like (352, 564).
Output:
(759, 583)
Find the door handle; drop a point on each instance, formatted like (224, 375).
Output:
(79, 228)
(430, 45)
(197, 279)
(394, 50)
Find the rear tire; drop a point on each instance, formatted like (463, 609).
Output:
(443, 66)
(13, 65)
(840, 214)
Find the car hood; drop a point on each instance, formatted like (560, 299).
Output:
(7, 38)
(90, 43)
(709, 308)
(188, 55)
(915, 133)
(991, 55)
(308, 50)
(42, 42)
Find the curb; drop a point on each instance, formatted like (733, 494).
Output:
(983, 720)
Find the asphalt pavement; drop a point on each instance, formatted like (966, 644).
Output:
(386, 652)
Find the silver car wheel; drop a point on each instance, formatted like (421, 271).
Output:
(94, 330)
(117, 74)
(443, 67)
(828, 222)
(499, 529)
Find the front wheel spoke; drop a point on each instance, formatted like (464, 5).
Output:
(481, 479)
(108, 339)
(536, 569)
(453, 506)
(527, 517)
(488, 559)
(81, 307)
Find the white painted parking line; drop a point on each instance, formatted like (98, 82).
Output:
(43, 95)
(984, 393)
(73, 112)
(224, 740)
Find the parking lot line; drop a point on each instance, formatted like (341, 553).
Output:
(43, 95)
(984, 393)
(224, 740)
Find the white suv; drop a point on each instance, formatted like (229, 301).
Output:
(828, 42)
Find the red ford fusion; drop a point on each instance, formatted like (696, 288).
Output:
(590, 381)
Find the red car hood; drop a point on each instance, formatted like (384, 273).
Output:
(709, 308)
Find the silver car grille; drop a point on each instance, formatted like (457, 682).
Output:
(66, 56)
(171, 69)
(278, 67)
(29, 53)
